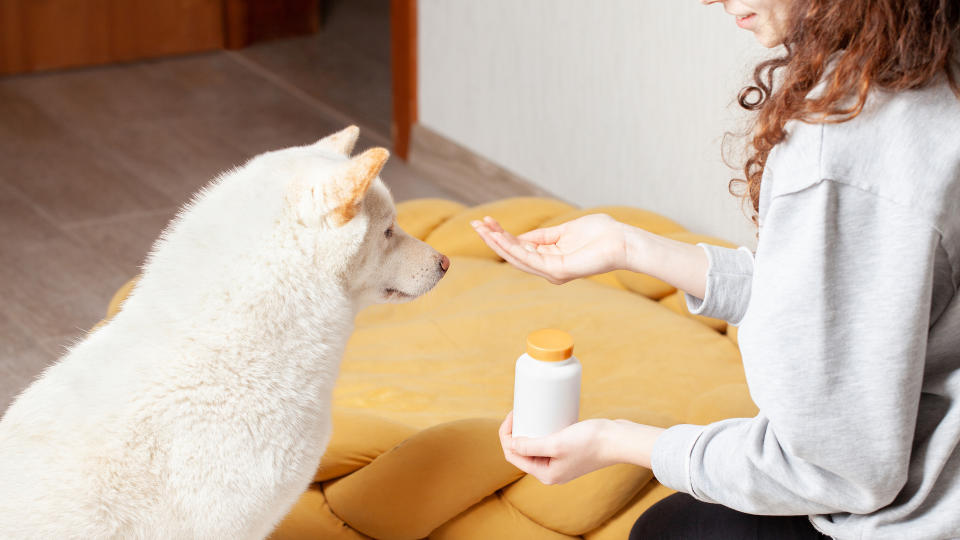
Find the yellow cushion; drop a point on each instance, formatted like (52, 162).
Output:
(494, 517)
(416, 487)
(648, 286)
(678, 304)
(420, 217)
(451, 354)
(423, 387)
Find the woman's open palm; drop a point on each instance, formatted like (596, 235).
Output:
(589, 245)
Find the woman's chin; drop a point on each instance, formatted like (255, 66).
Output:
(768, 40)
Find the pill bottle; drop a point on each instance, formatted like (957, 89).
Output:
(546, 392)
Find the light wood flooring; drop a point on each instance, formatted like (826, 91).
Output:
(94, 162)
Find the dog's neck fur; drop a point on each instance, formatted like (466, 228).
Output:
(195, 301)
(252, 322)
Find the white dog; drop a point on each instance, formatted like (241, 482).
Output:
(203, 408)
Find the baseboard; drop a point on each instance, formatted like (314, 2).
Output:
(473, 178)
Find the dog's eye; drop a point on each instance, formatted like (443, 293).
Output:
(388, 233)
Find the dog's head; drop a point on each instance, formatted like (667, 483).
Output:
(309, 216)
(349, 211)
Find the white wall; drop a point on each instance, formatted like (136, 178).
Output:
(599, 101)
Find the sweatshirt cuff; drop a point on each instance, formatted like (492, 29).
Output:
(729, 279)
(671, 456)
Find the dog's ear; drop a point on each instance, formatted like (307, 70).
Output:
(341, 142)
(350, 184)
(336, 198)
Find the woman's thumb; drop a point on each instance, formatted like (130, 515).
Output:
(539, 446)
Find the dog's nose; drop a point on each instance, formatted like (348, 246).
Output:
(444, 263)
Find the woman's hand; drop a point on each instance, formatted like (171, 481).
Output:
(560, 457)
(578, 449)
(589, 245)
(595, 244)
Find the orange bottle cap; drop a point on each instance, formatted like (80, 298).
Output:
(550, 345)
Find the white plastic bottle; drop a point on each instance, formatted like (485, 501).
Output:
(546, 392)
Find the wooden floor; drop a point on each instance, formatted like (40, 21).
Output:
(94, 162)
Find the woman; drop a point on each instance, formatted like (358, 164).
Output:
(848, 311)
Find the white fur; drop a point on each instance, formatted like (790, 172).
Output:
(202, 409)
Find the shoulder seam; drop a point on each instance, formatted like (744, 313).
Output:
(925, 221)
(863, 189)
(818, 166)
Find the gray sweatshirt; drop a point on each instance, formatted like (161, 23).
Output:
(849, 331)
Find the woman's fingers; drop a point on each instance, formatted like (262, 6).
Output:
(549, 249)
(506, 428)
(524, 463)
(537, 465)
(533, 447)
(493, 224)
(519, 257)
(549, 235)
(530, 252)
(495, 243)
(495, 227)
(526, 254)
(540, 240)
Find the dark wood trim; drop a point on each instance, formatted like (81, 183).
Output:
(54, 34)
(249, 21)
(403, 45)
(236, 22)
(57, 34)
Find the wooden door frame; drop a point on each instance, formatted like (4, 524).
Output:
(403, 56)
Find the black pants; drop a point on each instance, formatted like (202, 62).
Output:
(681, 517)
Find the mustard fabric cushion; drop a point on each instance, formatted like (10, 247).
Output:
(424, 386)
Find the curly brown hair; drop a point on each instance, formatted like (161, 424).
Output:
(888, 44)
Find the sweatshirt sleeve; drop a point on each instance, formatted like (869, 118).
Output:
(729, 277)
(833, 346)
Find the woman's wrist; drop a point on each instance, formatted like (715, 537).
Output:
(678, 263)
(629, 442)
(637, 246)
